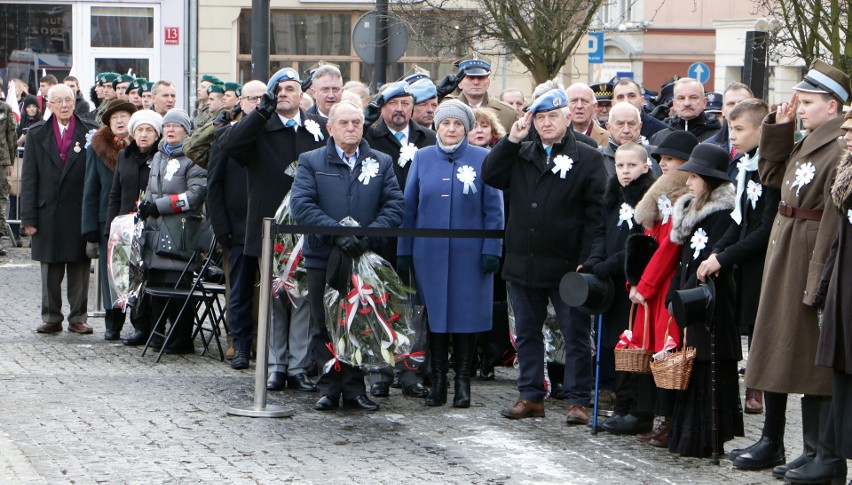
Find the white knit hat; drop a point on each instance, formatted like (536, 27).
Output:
(146, 117)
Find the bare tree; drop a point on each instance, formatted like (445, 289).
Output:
(541, 34)
(810, 29)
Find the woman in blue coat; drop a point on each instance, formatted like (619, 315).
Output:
(455, 277)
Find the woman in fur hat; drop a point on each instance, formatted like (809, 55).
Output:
(101, 161)
(700, 220)
(650, 284)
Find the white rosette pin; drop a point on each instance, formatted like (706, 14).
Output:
(314, 129)
(849, 215)
(804, 175)
(369, 169)
(698, 242)
(562, 164)
(665, 207)
(406, 154)
(753, 191)
(625, 214)
(467, 175)
(171, 169)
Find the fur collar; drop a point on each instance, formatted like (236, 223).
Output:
(672, 186)
(841, 190)
(632, 194)
(107, 147)
(685, 218)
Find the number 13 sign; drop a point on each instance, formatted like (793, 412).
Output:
(171, 35)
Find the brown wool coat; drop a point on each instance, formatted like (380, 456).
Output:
(786, 331)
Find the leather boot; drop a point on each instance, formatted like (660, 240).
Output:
(110, 332)
(826, 467)
(464, 345)
(810, 436)
(661, 440)
(767, 452)
(646, 437)
(439, 346)
(754, 401)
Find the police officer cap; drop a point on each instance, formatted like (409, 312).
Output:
(825, 79)
(423, 90)
(285, 74)
(666, 93)
(122, 78)
(474, 67)
(549, 101)
(603, 91)
(237, 88)
(395, 90)
(714, 103)
(211, 79)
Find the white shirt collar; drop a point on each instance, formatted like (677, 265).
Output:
(297, 119)
(351, 162)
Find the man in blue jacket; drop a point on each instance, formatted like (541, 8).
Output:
(346, 178)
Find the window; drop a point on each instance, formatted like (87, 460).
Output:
(33, 39)
(122, 27)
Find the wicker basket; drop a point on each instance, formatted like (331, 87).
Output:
(635, 360)
(674, 371)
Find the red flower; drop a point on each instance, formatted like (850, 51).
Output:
(279, 248)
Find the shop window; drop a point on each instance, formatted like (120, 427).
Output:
(35, 39)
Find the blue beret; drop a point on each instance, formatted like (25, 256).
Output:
(423, 90)
(549, 101)
(395, 90)
(416, 77)
(475, 67)
(286, 74)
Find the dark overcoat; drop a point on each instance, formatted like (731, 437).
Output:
(552, 220)
(52, 193)
(227, 194)
(130, 178)
(269, 151)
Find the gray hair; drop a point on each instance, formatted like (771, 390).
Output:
(346, 102)
(157, 85)
(327, 70)
(350, 85)
(59, 87)
(624, 105)
(688, 80)
(546, 86)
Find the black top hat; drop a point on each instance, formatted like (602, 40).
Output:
(115, 106)
(586, 292)
(638, 252)
(678, 144)
(708, 160)
(695, 305)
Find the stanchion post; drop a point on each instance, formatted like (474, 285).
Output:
(259, 409)
(99, 300)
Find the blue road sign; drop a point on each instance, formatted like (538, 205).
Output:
(596, 47)
(699, 71)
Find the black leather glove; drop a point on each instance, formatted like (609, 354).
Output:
(490, 263)
(268, 102)
(148, 209)
(819, 298)
(307, 82)
(449, 84)
(92, 237)
(350, 245)
(588, 266)
(143, 209)
(372, 112)
(605, 269)
(404, 264)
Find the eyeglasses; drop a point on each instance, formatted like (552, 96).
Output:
(251, 98)
(62, 101)
(172, 126)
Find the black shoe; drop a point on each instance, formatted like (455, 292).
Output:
(415, 390)
(112, 335)
(300, 382)
(438, 393)
(768, 453)
(240, 360)
(380, 389)
(362, 403)
(627, 424)
(739, 451)
(138, 338)
(180, 349)
(556, 392)
(277, 381)
(327, 403)
(818, 471)
(2, 250)
(396, 384)
(486, 372)
(156, 343)
(780, 471)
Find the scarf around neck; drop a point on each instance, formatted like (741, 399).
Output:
(746, 164)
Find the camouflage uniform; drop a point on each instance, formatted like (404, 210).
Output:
(8, 151)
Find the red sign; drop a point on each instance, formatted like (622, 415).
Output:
(171, 35)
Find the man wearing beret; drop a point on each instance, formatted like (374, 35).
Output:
(120, 84)
(215, 93)
(397, 136)
(107, 93)
(268, 142)
(783, 352)
(231, 96)
(202, 114)
(133, 94)
(425, 99)
(474, 84)
(556, 185)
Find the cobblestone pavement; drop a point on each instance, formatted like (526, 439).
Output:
(77, 409)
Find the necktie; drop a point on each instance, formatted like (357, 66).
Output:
(548, 149)
(399, 136)
(290, 123)
(733, 152)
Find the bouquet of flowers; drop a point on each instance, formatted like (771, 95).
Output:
(124, 261)
(288, 266)
(371, 325)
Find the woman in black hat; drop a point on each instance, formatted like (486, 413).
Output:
(700, 219)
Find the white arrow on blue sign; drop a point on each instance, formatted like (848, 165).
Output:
(699, 71)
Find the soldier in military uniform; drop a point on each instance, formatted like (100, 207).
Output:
(202, 112)
(474, 84)
(107, 94)
(231, 95)
(8, 150)
(120, 85)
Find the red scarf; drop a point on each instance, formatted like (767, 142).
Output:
(64, 142)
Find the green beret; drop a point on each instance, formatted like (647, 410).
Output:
(137, 83)
(122, 78)
(145, 87)
(107, 78)
(235, 87)
(216, 88)
(211, 79)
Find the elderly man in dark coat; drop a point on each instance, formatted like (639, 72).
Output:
(52, 209)
(268, 141)
(555, 207)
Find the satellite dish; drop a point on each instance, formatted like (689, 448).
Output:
(364, 37)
